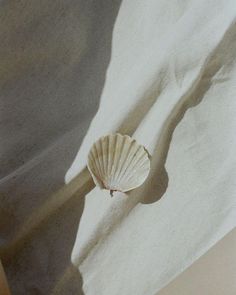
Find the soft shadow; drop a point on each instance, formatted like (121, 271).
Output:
(157, 182)
(53, 67)
(40, 263)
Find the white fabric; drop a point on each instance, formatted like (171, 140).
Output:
(170, 83)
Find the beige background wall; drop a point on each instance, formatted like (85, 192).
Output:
(213, 274)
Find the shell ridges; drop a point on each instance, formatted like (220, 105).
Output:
(118, 163)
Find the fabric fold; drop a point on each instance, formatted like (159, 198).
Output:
(172, 100)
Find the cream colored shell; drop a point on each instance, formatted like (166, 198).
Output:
(118, 163)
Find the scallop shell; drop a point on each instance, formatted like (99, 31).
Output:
(118, 163)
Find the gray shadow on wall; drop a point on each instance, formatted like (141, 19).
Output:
(54, 57)
(40, 263)
(157, 181)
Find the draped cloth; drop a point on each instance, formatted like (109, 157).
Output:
(72, 71)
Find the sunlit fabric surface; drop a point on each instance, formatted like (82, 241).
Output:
(161, 71)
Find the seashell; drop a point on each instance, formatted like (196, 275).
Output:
(118, 163)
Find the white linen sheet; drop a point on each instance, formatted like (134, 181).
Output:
(170, 83)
